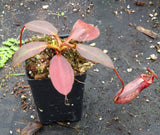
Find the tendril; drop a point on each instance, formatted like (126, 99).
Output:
(115, 99)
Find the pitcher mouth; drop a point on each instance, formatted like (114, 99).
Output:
(153, 74)
(147, 78)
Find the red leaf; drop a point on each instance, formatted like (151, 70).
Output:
(27, 51)
(132, 89)
(61, 74)
(83, 32)
(43, 27)
(95, 54)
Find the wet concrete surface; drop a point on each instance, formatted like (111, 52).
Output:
(129, 49)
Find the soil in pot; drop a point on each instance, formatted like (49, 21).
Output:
(37, 66)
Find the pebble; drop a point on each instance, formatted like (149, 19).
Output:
(153, 56)
(147, 100)
(116, 118)
(129, 69)
(11, 132)
(155, 14)
(128, 6)
(33, 117)
(96, 70)
(83, 15)
(93, 44)
(151, 15)
(23, 97)
(72, 4)
(88, 11)
(158, 43)
(45, 7)
(75, 10)
(152, 46)
(150, 3)
(103, 82)
(21, 4)
(30, 72)
(100, 118)
(114, 59)
(105, 51)
(91, 4)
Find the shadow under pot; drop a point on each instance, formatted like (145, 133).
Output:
(50, 103)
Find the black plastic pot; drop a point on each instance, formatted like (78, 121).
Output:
(50, 104)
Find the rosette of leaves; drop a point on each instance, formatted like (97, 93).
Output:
(60, 70)
(7, 50)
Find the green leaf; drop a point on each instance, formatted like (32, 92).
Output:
(4, 48)
(7, 43)
(12, 40)
(7, 50)
(62, 13)
(3, 59)
(10, 53)
(2, 64)
(15, 48)
(18, 42)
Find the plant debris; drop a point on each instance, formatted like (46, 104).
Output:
(147, 32)
(140, 3)
(68, 125)
(158, 49)
(23, 94)
(4, 77)
(31, 128)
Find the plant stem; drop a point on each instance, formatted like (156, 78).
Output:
(21, 36)
(58, 40)
(115, 99)
(65, 101)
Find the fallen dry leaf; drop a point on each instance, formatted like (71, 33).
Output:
(31, 128)
(147, 32)
(140, 3)
(18, 130)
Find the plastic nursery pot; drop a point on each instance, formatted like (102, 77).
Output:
(50, 104)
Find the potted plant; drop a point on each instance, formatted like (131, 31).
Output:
(61, 74)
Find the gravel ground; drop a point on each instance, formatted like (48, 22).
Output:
(129, 48)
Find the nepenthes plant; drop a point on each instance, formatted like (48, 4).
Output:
(60, 70)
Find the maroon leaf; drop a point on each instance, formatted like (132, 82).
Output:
(95, 54)
(61, 74)
(132, 89)
(27, 51)
(83, 32)
(43, 27)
